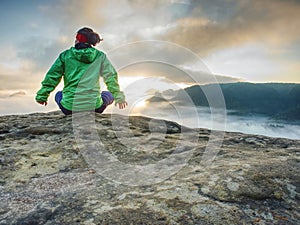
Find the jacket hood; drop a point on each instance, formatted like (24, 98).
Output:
(86, 55)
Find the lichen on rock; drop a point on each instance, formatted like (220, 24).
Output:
(45, 178)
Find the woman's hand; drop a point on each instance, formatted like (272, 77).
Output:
(42, 103)
(122, 105)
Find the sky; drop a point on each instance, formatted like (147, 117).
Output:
(166, 40)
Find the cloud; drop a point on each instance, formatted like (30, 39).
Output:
(274, 23)
(23, 105)
(199, 25)
(13, 82)
(19, 71)
(9, 94)
(18, 94)
(236, 61)
(206, 27)
(68, 15)
(218, 31)
(41, 51)
(173, 74)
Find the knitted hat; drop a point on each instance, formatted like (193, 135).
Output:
(87, 35)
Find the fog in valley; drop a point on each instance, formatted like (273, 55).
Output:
(188, 115)
(204, 117)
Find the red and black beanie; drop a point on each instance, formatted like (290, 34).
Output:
(87, 35)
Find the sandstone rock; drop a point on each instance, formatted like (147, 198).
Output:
(47, 178)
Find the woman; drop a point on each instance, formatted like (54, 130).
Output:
(81, 67)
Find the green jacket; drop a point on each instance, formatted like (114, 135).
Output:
(81, 70)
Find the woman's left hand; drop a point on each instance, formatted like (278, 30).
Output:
(122, 105)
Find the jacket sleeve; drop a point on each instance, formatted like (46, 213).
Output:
(52, 79)
(110, 77)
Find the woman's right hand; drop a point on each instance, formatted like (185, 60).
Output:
(42, 103)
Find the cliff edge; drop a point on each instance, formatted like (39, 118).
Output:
(46, 179)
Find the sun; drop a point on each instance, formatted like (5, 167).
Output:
(140, 104)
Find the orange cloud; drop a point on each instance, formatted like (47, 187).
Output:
(275, 23)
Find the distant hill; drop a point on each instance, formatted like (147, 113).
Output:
(277, 100)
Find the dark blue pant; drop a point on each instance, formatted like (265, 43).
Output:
(106, 96)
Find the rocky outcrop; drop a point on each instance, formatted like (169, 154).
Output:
(47, 177)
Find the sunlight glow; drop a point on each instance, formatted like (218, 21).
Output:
(140, 104)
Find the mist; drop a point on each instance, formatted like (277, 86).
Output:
(187, 115)
(204, 117)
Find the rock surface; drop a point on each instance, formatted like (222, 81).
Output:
(45, 179)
